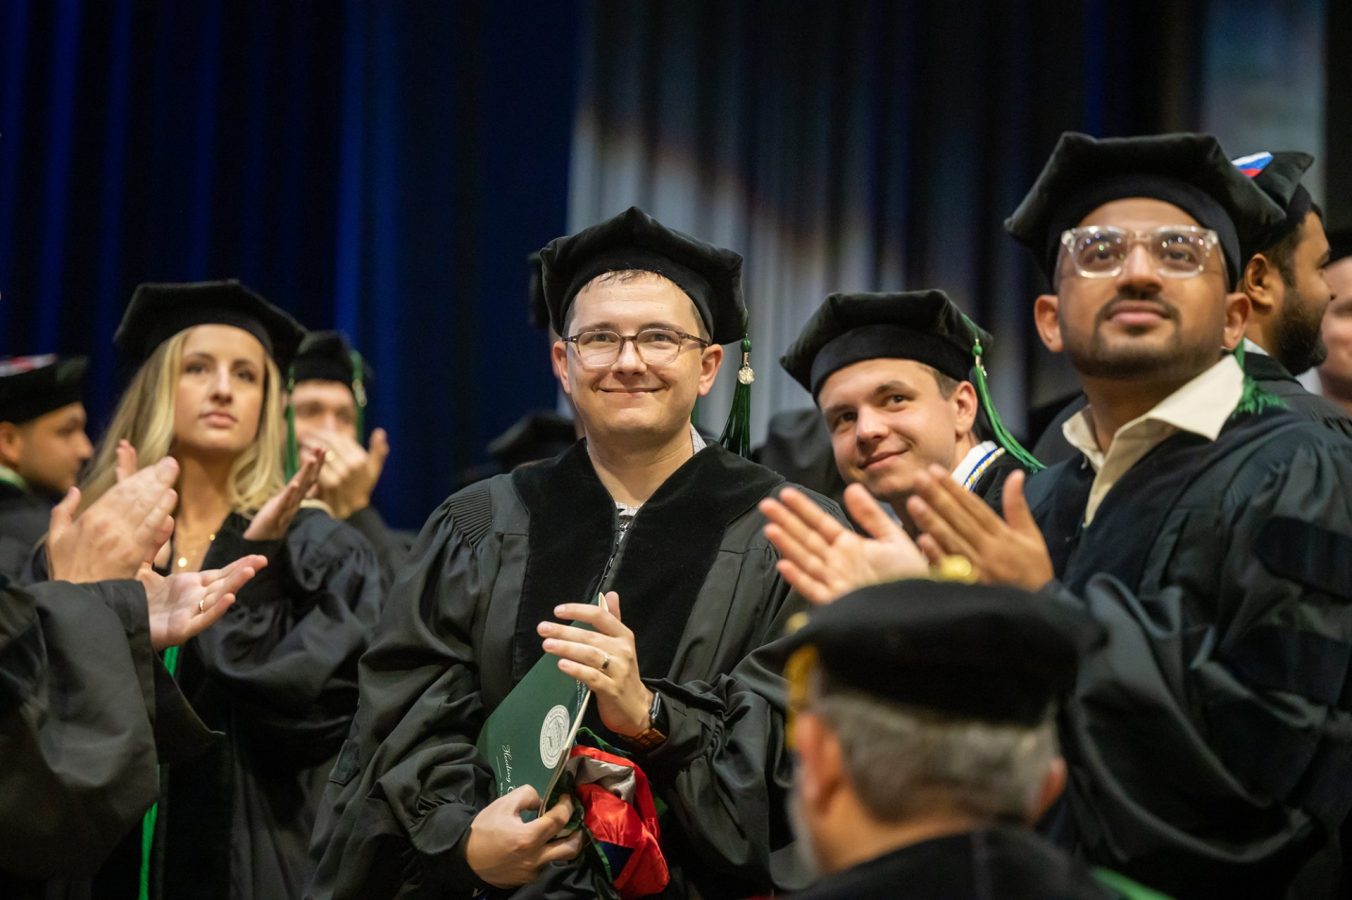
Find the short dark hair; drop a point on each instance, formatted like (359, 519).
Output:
(947, 385)
(1281, 252)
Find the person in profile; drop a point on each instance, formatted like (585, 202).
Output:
(43, 446)
(924, 721)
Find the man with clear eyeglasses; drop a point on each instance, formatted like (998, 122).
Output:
(1210, 530)
(1284, 278)
(681, 677)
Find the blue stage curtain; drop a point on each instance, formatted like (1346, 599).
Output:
(382, 168)
(866, 145)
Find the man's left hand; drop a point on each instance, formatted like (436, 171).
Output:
(604, 660)
(351, 471)
(954, 521)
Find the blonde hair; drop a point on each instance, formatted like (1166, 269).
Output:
(145, 418)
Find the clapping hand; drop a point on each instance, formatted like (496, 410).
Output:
(824, 560)
(954, 521)
(118, 532)
(182, 606)
(603, 659)
(275, 516)
(350, 471)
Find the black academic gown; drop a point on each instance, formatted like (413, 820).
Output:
(1052, 446)
(24, 517)
(798, 446)
(1273, 376)
(278, 676)
(86, 714)
(391, 546)
(699, 588)
(1210, 741)
(997, 863)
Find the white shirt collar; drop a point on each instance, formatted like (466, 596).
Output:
(1251, 347)
(696, 439)
(1200, 407)
(981, 453)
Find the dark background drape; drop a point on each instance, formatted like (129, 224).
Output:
(385, 167)
(382, 168)
(867, 145)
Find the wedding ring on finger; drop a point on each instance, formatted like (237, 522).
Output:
(605, 663)
(201, 606)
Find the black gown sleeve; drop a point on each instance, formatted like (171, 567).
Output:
(392, 547)
(1210, 738)
(409, 779)
(725, 771)
(23, 522)
(80, 688)
(285, 654)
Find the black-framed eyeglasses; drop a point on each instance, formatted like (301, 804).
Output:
(655, 346)
(1100, 251)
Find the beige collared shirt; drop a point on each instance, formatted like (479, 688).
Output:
(1201, 407)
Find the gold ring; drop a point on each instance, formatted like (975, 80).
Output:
(605, 663)
(955, 567)
(202, 606)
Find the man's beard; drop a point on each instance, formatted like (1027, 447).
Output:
(1171, 361)
(1297, 337)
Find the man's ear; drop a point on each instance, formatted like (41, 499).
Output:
(1047, 319)
(558, 357)
(1259, 281)
(1053, 783)
(820, 761)
(966, 405)
(1237, 311)
(709, 363)
(11, 444)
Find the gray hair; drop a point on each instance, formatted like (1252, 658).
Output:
(901, 759)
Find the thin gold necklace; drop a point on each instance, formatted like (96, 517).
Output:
(183, 557)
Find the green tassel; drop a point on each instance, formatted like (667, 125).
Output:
(152, 814)
(737, 431)
(1125, 887)
(1255, 398)
(359, 392)
(292, 446)
(998, 429)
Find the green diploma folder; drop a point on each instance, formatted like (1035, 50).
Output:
(527, 738)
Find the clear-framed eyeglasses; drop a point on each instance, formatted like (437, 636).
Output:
(1100, 251)
(656, 346)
